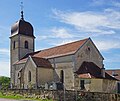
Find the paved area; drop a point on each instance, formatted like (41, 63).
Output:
(12, 100)
(7, 100)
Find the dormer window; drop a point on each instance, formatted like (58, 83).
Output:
(26, 45)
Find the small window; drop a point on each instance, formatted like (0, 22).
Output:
(62, 76)
(88, 48)
(82, 84)
(19, 75)
(14, 45)
(26, 44)
(29, 76)
(87, 51)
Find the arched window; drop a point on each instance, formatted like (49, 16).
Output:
(14, 45)
(62, 76)
(19, 75)
(29, 76)
(26, 44)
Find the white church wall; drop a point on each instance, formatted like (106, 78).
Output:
(44, 75)
(61, 59)
(29, 67)
(68, 73)
(64, 63)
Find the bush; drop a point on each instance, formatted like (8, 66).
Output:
(4, 82)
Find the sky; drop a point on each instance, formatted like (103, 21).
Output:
(58, 22)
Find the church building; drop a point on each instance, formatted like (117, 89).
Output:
(76, 65)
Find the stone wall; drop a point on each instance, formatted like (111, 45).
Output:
(68, 95)
(18, 74)
(89, 53)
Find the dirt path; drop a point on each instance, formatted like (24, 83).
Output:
(1, 99)
(7, 100)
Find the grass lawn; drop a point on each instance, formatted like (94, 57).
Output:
(19, 97)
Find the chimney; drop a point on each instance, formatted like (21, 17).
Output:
(103, 71)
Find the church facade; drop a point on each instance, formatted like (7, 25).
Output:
(77, 65)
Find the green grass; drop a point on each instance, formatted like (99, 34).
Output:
(19, 97)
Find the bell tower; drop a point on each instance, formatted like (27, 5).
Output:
(21, 42)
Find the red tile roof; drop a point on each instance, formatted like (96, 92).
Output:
(61, 50)
(66, 49)
(41, 62)
(21, 61)
(93, 70)
(114, 72)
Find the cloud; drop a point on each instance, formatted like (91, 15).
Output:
(113, 18)
(106, 45)
(4, 68)
(102, 45)
(114, 58)
(61, 33)
(98, 2)
(111, 3)
(98, 25)
(92, 22)
(4, 51)
(117, 4)
(55, 33)
(61, 42)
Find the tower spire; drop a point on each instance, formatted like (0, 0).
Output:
(22, 16)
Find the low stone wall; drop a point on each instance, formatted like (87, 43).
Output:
(68, 95)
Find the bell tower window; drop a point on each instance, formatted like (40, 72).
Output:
(14, 45)
(26, 45)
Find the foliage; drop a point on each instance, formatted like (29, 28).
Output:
(4, 82)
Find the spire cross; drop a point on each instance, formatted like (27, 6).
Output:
(22, 16)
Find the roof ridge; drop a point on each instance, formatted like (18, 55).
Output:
(64, 44)
(38, 57)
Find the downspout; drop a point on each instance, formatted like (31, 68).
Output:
(74, 69)
(54, 70)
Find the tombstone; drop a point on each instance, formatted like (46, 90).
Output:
(54, 86)
(59, 86)
(46, 86)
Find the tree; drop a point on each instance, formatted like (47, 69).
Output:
(4, 82)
